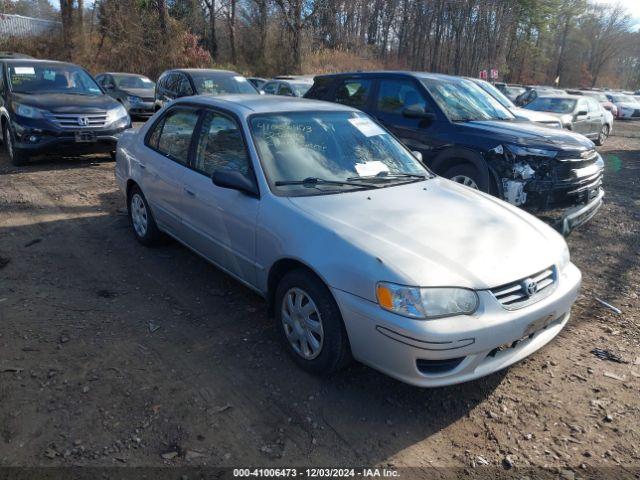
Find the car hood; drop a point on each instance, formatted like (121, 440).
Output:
(528, 135)
(67, 103)
(438, 233)
(532, 115)
(139, 92)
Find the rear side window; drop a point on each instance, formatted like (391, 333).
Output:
(354, 93)
(183, 87)
(285, 90)
(221, 146)
(320, 89)
(172, 135)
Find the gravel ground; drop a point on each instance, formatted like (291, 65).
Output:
(114, 354)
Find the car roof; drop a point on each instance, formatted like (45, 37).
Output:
(202, 70)
(124, 74)
(393, 73)
(247, 104)
(31, 61)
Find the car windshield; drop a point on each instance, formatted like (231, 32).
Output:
(218, 84)
(131, 81)
(50, 78)
(552, 104)
(462, 101)
(301, 88)
(497, 94)
(314, 153)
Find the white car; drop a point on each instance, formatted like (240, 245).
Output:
(359, 250)
(628, 106)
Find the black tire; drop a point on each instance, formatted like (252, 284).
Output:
(17, 157)
(335, 352)
(113, 156)
(468, 170)
(602, 136)
(151, 235)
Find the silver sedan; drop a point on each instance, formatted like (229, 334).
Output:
(360, 251)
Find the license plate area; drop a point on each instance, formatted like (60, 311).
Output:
(539, 324)
(85, 137)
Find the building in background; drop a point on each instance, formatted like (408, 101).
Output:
(19, 26)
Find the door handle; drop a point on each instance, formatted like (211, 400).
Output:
(189, 192)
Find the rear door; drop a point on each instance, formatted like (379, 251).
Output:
(220, 223)
(164, 163)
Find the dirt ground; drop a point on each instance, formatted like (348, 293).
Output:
(115, 354)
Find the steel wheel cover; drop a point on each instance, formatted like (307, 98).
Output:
(302, 323)
(464, 180)
(139, 216)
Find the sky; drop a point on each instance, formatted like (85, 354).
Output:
(632, 6)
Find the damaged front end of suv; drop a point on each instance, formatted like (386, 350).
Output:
(563, 187)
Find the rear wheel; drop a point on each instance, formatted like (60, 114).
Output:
(141, 219)
(17, 157)
(469, 175)
(603, 135)
(310, 323)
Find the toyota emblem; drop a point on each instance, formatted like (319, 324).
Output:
(83, 121)
(530, 287)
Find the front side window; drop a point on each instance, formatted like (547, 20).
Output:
(51, 78)
(270, 88)
(354, 93)
(218, 84)
(172, 135)
(346, 149)
(221, 146)
(464, 101)
(285, 90)
(396, 95)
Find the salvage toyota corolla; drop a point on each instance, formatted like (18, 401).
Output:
(359, 249)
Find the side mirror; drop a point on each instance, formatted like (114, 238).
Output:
(416, 111)
(417, 154)
(235, 181)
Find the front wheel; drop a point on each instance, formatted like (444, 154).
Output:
(469, 175)
(603, 135)
(17, 157)
(310, 324)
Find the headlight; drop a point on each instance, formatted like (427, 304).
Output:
(117, 114)
(518, 151)
(565, 258)
(133, 99)
(27, 111)
(425, 303)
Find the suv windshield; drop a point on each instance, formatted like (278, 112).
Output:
(217, 84)
(463, 101)
(550, 104)
(50, 78)
(301, 88)
(311, 153)
(131, 81)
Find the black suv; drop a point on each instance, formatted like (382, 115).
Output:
(464, 134)
(174, 84)
(55, 107)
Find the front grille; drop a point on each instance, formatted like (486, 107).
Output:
(78, 120)
(519, 294)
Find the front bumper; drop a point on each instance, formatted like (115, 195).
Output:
(143, 109)
(35, 140)
(460, 348)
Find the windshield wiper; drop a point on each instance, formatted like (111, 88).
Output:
(387, 176)
(313, 181)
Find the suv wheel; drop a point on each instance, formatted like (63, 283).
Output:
(468, 175)
(310, 324)
(141, 219)
(17, 157)
(602, 136)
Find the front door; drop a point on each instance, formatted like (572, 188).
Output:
(218, 222)
(393, 96)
